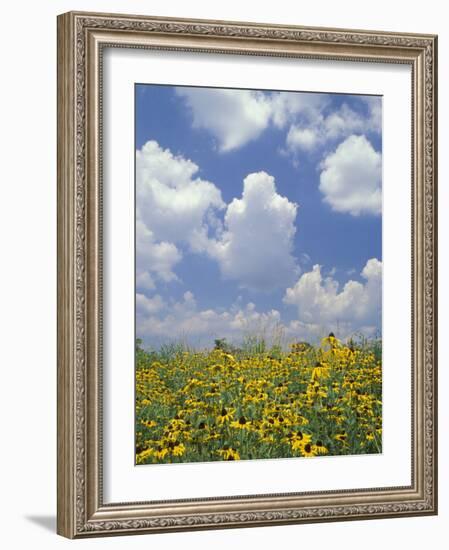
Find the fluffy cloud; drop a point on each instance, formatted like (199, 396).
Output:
(346, 121)
(154, 259)
(236, 117)
(316, 130)
(148, 305)
(184, 321)
(252, 245)
(172, 206)
(374, 105)
(321, 304)
(305, 139)
(168, 191)
(286, 106)
(351, 177)
(233, 117)
(256, 245)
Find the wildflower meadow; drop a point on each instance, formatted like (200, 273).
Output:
(255, 403)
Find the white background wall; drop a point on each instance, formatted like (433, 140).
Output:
(28, 270)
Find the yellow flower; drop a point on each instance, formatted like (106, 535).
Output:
(178, 449)
(141, 457)
(330, 341)
(319, 372)
(149, 423)
(315, 390)
(320, 448)
(225, 415)
(298, 440)
(308, 450)
(333, 387)
(300, 420)
(266, 437)
(241, 424)
(229, 454)
(342, 437)
(161, 452)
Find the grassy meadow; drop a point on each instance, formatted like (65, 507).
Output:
(256, 402)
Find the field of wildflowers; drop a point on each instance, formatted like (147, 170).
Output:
(233, 404)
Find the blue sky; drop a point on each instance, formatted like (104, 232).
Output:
(256, 210)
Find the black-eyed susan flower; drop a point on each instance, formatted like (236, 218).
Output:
(161, 452)
(178, 449)
(298, 440)
(308, 450)
(148, 423)
(241, 424)
(225, 415)
(330, 341)
(342, 437)
(229, 454)
(189, 402)
(320, 448)
(143, 456)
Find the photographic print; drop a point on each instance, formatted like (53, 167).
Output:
(232, 352)
(258, 274)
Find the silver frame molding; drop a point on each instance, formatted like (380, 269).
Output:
(81, 39)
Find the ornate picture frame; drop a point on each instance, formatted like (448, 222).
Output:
(82, 40)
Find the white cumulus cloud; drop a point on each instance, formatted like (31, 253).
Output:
(148, 305)
(256, 246)
(252, 243)
(317, 129)
(286, 106)
(236, 117)
(185, 321)
(304, 138)
(154, 259)
(172, 206)
(321, 303)
(351, 177)
(345, 121)
(321, 306)
(171, 201)
(233, 117)
(374, 104)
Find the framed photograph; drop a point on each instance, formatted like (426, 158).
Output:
(247, 282)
